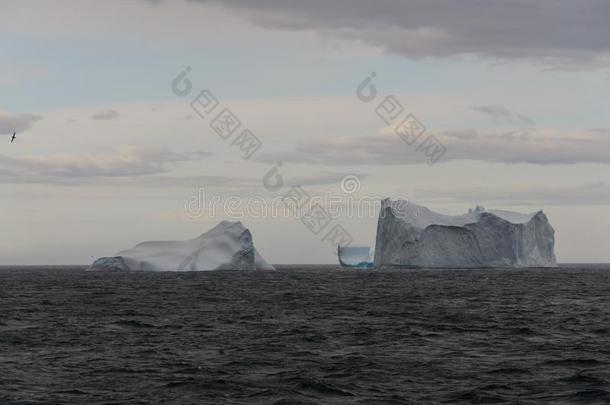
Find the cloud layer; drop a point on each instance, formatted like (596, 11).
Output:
(581, 194)
(564, 30)
(10, 123)
(502, 115)
(105, 115)
(138, 167)
(128, 161)
(539, 147)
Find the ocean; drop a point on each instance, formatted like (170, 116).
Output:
(305, 335)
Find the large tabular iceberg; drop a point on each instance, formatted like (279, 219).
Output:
(411, 235)
(227, 246)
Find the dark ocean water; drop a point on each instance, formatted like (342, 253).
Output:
(305, 335)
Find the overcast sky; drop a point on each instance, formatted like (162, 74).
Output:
(108, 155)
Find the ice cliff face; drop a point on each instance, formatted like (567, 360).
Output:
(227, 246)
(411, 235)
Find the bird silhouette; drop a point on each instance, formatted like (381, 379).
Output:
(14, 137)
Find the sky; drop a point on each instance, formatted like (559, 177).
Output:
(112, 148)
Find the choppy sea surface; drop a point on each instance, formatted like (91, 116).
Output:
(305, 335)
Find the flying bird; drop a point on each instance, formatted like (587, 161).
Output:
(14, 137)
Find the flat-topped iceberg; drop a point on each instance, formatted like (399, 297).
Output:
(227, 246)
(410, 235)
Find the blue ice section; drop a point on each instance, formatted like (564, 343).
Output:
(355, 256)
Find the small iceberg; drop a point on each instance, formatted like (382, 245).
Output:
(359, 257)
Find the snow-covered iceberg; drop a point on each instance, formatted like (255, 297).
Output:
(227, 246)
(410, 235)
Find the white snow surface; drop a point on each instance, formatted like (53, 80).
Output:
(229, 245)
(422, 217)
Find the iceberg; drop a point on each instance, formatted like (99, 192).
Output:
(355, 256)
(229, 245)
(411, 235)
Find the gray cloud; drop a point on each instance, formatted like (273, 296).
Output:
(501, 114)
(129, 161)
(106, 115)
(550, 30)
(10, 123)
(136, 167)
(584, 194)
(321, 179)
(536, 147)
